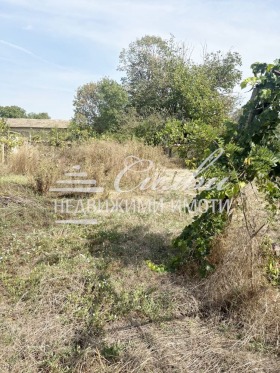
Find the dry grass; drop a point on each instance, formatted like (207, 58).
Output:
(82, 299)
(238, 290)
(24, 160)
(102, 160)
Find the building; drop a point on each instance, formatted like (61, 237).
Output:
(30, 127)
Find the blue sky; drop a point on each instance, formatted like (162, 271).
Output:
(49, 48)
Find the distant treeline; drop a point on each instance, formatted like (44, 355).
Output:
(18, 112)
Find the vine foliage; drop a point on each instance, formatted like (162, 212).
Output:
(251, 153)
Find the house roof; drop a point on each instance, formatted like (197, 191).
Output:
(37, 123)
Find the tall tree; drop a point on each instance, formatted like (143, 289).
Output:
(160, 77)
(223, 69)
(149, 64)
(100, 105)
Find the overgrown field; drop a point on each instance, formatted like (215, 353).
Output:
(97, 298)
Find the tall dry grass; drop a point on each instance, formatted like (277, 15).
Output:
(101, 159)
(239, 290)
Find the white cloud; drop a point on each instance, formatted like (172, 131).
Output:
(19, 48)
(245, 26)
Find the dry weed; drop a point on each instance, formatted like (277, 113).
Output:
(239, 290)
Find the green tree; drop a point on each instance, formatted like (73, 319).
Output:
(197, 115)
(222, 69)
(197, 99)
(159, 76)
(38, 116)
(18, 112)
(12, 112)
(100, 105)
(149, 64)
(224, 74)
(162, 82)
